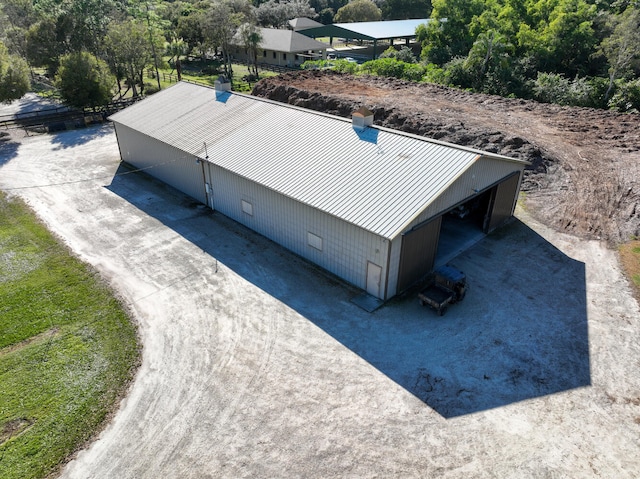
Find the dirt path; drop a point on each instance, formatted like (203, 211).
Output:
(257, 365)
(585, 169)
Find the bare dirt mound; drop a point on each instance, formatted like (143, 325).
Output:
(585, 163)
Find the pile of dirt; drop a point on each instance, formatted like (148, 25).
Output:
(585, 163)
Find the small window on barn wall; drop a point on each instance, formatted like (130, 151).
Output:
(314, 241)
(284, 56)
(274, 54)
(247, 208)
(264, 53)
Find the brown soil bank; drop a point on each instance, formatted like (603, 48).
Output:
(585, 163)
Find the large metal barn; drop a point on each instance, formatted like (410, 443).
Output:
(366, 203)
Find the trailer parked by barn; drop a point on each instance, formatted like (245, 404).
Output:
(364, 202)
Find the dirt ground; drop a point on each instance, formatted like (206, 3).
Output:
(256, 364)
(585, 172)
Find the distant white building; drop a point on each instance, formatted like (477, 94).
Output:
(282, 47)
(364, 202)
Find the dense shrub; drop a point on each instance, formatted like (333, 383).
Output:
(404, 54)
(434, 74)
(387, 67)
(390, 67)
(556, 88)
(457, 74)
(315, 64)
(413, 72)
(343, 66)
(626, 96)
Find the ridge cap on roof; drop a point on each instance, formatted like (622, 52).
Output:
(469, 149)
(426, 139)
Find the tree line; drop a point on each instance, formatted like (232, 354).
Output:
(576, 52)
(582, 52)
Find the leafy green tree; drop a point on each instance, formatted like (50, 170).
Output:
(489, 63)
(622, 48)
(404, 9)
(251, 38)
(510, 14)
(559, 35)
(79, 24)
(358, 11)
(175, 49)
(128, 52)
(220, 26)
(189, 28)
(276, 14)
(88, 20)
(14, 76)
(326, 9)
(84, 80)
(570, 38)
(150, 12)
(326, 16)
(447, 35)
(43, 46)
(19, 13)
(15, 39)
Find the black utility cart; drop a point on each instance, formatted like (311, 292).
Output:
(445, 286)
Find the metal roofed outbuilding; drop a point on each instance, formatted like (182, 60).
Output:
(355, 200)
(370, 31)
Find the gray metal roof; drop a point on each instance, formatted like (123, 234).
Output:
(301, 23)
(376, 178)
(286, 41)
(369, 30)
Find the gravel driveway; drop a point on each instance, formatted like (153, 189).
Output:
(256, 364)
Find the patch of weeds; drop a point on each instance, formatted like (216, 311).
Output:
(13, 428)
(629, 254)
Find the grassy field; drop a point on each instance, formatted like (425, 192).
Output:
(67, 348)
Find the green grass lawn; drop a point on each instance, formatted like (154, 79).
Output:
(67, 348)
(206, 72)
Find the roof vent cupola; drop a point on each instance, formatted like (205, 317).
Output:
(362, 118)
(222, 84)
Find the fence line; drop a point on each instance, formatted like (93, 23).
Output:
(173, 78)
(61, 118)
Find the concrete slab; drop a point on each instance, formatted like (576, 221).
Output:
(255, 364)
(367, 302)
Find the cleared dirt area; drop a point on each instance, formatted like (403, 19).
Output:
(256, 364)
(585, 172)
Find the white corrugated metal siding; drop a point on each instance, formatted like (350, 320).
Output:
(345, 247)
(167, 163)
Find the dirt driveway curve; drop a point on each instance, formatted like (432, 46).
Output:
(255, 364)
